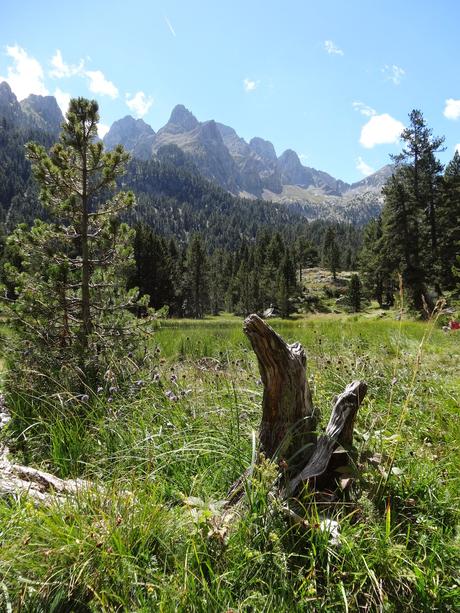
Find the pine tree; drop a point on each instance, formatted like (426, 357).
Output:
(422, 180)
(154, 268)
(196, 288)
(217, 282)
(401, 243)
(449, 222)
(71, 315)
(354, 293)
(377, 270)
(286, 284)
(331, 254)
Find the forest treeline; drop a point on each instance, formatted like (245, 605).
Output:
(251, 277)
(199, 249)
(418, 234)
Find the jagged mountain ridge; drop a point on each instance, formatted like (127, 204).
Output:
(253, 169)
(216, 151)
(34, 112)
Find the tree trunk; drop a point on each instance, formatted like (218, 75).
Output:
(85, 271)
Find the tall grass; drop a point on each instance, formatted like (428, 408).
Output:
(151, 534)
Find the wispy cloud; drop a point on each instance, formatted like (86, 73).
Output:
(102, 129)
(26, 74)
(452, 109)
(364, 109)
(97, 81)
(303, 157)
(171, 29)
(393, 73)
(61, 69)
(98, 84)
(380, 130)
(457, 148)
(364, 168)
(139, 103)
(250, 85)
(332, 48)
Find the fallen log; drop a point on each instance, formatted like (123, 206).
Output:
(42, 487)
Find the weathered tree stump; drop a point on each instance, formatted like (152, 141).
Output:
(288, 426)
(289, 420)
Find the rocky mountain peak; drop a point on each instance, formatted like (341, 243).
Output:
(263, 148)
(6, 93)
(226, 131)
(183, 118)
(128, 132)
(209, 131)
(292, 171)
(10, 108)
(289, 158)
(44, 111)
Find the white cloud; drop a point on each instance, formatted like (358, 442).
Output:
(457, 148)
(139, 103)
(250, 85)
(303, 157)
(26, 75)
(61, 69)
(452, 109)
(393, 73)
(364, 109)
(63, 99)
(171, 29)
(332, 48)
(102, 129)
(364, 168)
(380, 130)
(98, 84)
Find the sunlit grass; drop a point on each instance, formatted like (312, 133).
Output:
(183, 432)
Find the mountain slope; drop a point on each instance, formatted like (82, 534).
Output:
(253, 169)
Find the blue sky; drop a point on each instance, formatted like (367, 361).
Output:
(332, 79)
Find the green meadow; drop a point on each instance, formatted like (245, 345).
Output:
(162, 452)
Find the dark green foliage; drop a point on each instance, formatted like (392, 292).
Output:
(331, 254)
(448, 218)
(244, 241)
(196, 282)
(419, 234)
(354, 293)
(156, 266)
(18, 195)
(69, 313)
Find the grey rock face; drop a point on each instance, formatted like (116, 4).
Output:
(264, 149)
(135, 135)
(10, 108)
(43, 112)
(292, 171)
(181, 120)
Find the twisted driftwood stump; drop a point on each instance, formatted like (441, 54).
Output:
(288, 427)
